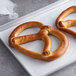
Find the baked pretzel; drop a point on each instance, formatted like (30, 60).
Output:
(15, 40)
(63, 25)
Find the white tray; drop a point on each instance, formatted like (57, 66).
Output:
(46, 15)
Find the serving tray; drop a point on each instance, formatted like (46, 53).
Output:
(48, 16)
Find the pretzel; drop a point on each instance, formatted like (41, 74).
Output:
(63, 25)
(15, 41)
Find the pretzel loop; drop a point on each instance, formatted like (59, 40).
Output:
(63, 25)
(15, 40)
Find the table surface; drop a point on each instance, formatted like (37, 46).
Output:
(9, 66)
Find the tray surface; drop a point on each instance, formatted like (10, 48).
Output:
(47, 16)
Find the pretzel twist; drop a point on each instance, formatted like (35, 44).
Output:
(15, 40)
(63, 25)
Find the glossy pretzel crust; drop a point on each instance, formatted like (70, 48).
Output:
(15, 40)
(62, 25)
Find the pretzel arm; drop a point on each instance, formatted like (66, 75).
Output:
(67, 23)
(47, 46)
(26, 38)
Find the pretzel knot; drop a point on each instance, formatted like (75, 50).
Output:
(15, 40)
(62, 25)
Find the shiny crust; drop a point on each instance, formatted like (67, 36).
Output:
(63, 25)
(15, 40)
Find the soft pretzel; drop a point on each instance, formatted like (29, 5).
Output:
(15, 40)
(62, 25)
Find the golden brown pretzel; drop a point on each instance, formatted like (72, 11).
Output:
(15, 40)
(62, 25)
